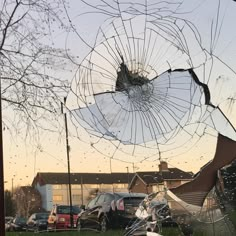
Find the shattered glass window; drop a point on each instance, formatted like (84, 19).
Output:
(125, 109)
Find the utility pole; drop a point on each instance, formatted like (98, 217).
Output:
(111, 174)
(128, 176)
(68, 164)
(82, 190)
(12, 180)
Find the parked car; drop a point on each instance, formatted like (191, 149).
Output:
(59, 217)
(37, 222)
(16, 224)
(110, 210)
(8, 218)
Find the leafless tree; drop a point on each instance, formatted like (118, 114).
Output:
(33, 68)
(28, 201)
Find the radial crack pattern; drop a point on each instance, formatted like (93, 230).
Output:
(144, 85)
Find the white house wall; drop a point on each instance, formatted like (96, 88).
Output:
(59, 194)
(46, 196)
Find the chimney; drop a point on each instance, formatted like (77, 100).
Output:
(163, 166)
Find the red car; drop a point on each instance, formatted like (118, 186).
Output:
(59, 217)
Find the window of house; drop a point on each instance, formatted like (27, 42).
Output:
(158, 187)
(57, 198)
(93, 186)
(75, 186)
(57, 186)
(120, 185)
(76, 197)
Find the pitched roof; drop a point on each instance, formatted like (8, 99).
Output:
(153, 177)
(77, 178)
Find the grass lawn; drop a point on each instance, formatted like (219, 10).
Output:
(232, 217)
(65, 233)
(166, 232)
(201, 230)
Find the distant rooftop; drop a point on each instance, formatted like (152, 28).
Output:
(153, 177)
(149, 177)
(77, 178)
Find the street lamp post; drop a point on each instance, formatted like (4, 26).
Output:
(12, 181)
(68, 164)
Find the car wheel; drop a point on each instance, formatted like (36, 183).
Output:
(49, 229)
(103, 224)
(79, 225)
(36, 229)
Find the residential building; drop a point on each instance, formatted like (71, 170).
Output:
(152, 181)
(54, 187)
(158, 181)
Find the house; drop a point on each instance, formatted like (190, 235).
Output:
(157, 181)
(54, 187)
(153, 181)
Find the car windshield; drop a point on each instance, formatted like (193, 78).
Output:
(20, 220)
(42, 216)
(92, 203)
(66, 210)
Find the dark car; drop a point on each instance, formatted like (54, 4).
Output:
(110, 210)
(37, 222)
(17, 224)
(60, 216)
